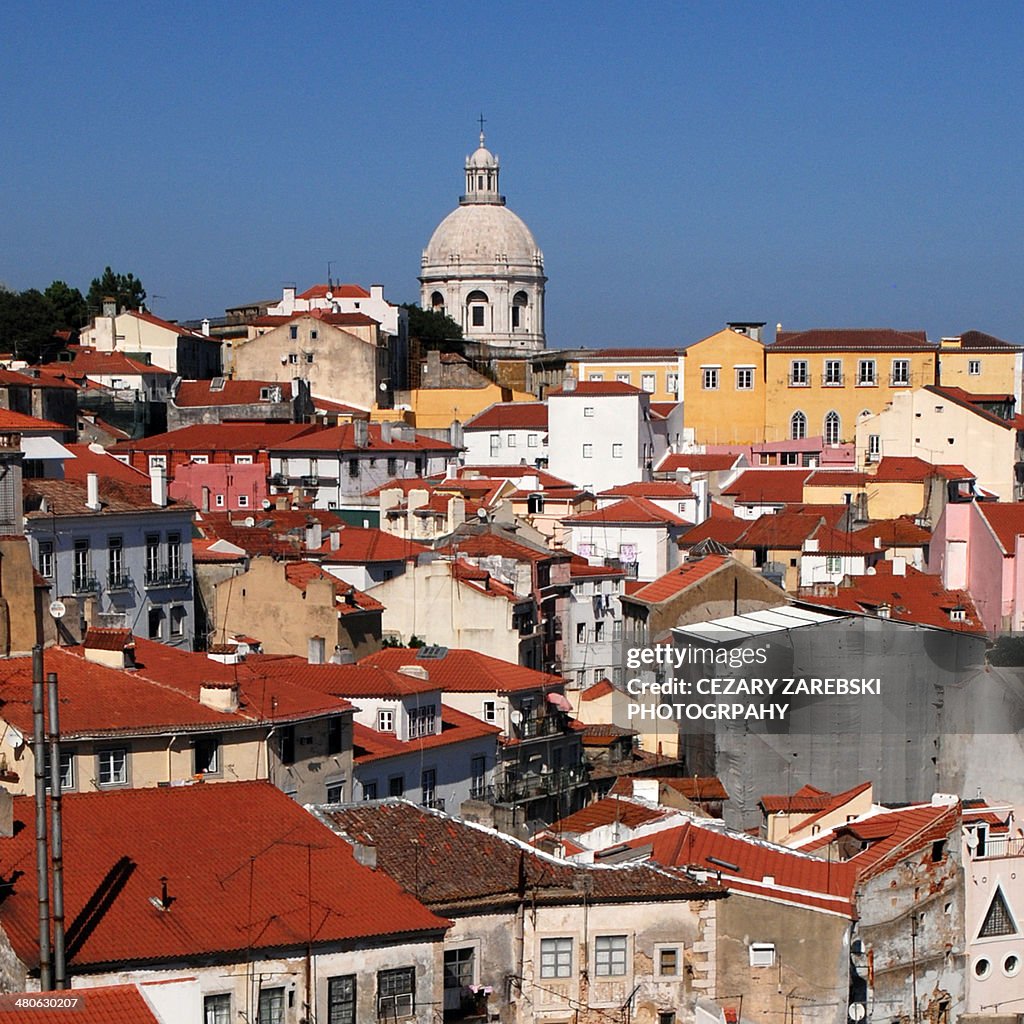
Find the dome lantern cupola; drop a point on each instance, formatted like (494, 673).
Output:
(482, 177)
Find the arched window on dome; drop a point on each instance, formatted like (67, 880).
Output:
(520, 307)
(798, 426)
(832, 425)
(477, 309)
(437, 303)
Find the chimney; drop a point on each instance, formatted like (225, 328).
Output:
(314, 536)
(365, 854)
(109, 306)
(377, 292)
(6, 813)
(206, 326)
(899, 565)
(385, 433)
(361, 433)
(158, 486)
(219, 696)
(335, 536)
(288, 300)
(316, 650)
(416, 671)
(569, 383)
(92, 489)
(204, 501)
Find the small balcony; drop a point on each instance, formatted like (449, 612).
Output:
(85, 583)
(899, 380)
(279, 479)
(1000, 846)
(481, 791)
(534, 727)
(833, 381)
(311, 480)
(799, 380)
(167, 577)
(119, 581)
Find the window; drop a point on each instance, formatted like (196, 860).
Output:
(293, 358)
(588, 451)
(798, 375)
(900, 371)
(832, 428)
(874, 447)
(308, 356)
(286, 745)
(762, 954)
(833, 372)
(392, 467)
(67, 768)
(709, 378)
(396, 991)
(334, 734)
(616, 451)
(271, 1009)
(178, 617)
(588, 411)
(490, 711)
(385, 720)
(206, 754)
(459, 967)
(866, 372)
(152, 556)
(666, 1017)
(243, 500)
(610, 956)
(744, 378)
(789, 459)
(672, 383)
(112, 767)
(598, 631)
(531, 440)
(510, 440)
(157, 462)
(595, 376)
(293, 332)
(581, 632)
(312, 337)
(998, 920)
(617, 629)
(369, 790)
(982, 968)
(353, 467)
(648, 382)
(46, 559)
(624, 378)
(156, 623)
(217, 1009)
(833, 564)
(668, 961)
(478, 316)
(396, 785)
(428, 785)
(422, 721)
(477, 777)
(341, 1000)
(974, 367)
(82, 565)
(555, 958)
(335, 791)
(798, 426)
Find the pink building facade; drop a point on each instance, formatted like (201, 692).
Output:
(220, 487)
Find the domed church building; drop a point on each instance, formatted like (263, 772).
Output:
(482, 266)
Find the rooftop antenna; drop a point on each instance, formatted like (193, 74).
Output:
(330, 280)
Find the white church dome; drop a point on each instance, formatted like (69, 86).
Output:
(482, 234)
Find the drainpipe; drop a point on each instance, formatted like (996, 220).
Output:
(60, 980)
(42, 864)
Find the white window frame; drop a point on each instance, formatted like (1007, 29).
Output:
(556, 957)
(710, 378)
(617, 450)
(901, 375)
(799, 373)
(649, 382)
(385, 720)
(115, 776)
(744, 378)
(762, 954)
(867, 373)
(588, 451)
(832, 376)
(611, 956)
(974, 367)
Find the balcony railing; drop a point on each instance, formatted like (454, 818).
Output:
(833, 381)
(799, 380)
(167, 577)
(538, 784)
(897, 380)
(85, 583)
(1002, 846)
(481, 791)
(119, 581)
(546, 725)
(311, 480)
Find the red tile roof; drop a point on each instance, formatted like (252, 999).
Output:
(700, 789)
(86, 460)
(597, 690)
(628, 354)
(721, 529)
(768, 486)
(106, 1004)
(97, 361)
(334, 319)
(182, 332)
(229, 437)
(653, 490)
(68, 498)
(511, 416)
(696, 463)
(595, 388)
(805, 800)
(755, 867)
(895, 468)
(679, 579)
(1006, 520)
(361, 546)
(466, 671)
(344, 681)
(246, 889)
(899, 532)
(837, 478)
(785, 530)
(833, 805)
(451, 863)
(456, 727)
(579, 568)
(11, 420)
(338, 291)
(882, 339)
(967, 400)
(631, 510)
(978, 341)
(914, 597)
(200, 393)
(476, 545)
(342, 439)
(349, 600)
(607, 811)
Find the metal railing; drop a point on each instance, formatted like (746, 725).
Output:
(1001, 846)
(85, 583)
(434, 804)
(167, 577)
(799, 380)
(119, 581)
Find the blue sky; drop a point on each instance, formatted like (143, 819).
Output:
(680, 165)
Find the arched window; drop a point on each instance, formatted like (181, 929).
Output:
(520, 301)
(437, 302)
(476, 304)
(832, 427)
(797, 426)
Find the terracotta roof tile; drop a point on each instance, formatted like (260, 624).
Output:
(11, 420)
(68, 498)
(511, 416)
(631, 510)
(339, 291)
(229, 437)
(607, 811)
(364, 545)
(342, 439)
(653, 490)
(883, 339)
(701, 789)
(456, 727)
(107, 1004)
(894, 468)
(350, 600)
(599, 689)
(240, 893)
(1006, 520)
(596, 388)
(768, 486)
(90, 361)
(200, 393)
(679, 579)
(697, 463)
(103, 464)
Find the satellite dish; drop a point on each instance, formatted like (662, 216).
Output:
(857, 1011)
(383, 385)
(329, 296)
(57, 609)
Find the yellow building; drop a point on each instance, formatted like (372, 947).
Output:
(654, 370)
(435, 408)
(982, 365)
(724, 388)
(820, 382)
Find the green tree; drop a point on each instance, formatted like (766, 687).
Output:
(125, 288)
(429, 326)
(27, 325)
(68, 306)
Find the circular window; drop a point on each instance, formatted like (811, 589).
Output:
(982, 967)
(1011, 964)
